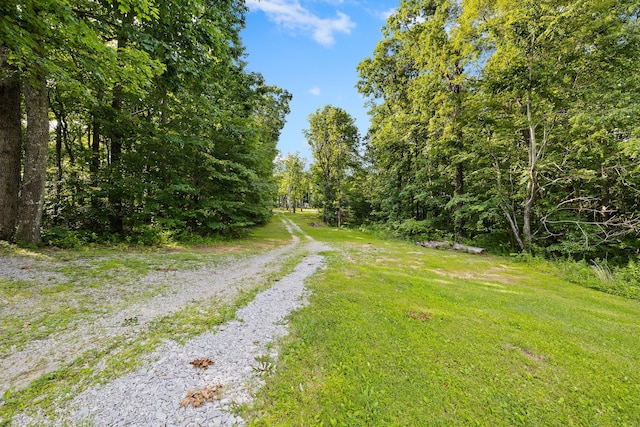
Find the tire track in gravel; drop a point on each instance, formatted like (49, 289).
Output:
(152, 395)
(222, 282)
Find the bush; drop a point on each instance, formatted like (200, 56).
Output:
(62, 237)
(412, 229)
(628, 278)
(622, 281)
(150, 236)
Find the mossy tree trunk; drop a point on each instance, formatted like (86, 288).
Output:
(35, 160)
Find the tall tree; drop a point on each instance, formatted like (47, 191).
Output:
(514, 116)
(158, 123)
(334, 140)
(293, 176)
(10, 146)
(545, 60)
(419, 71)
(33, 34)
(36, 148)
(24, 29)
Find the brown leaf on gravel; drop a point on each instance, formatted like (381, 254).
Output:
(202, 363)
(198, 397)
(25, 267)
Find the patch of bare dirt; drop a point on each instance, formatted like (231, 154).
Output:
(419, 315)
(494, 274)
(528, 353)
(231, 249)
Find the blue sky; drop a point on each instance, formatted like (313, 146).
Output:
(311, 48)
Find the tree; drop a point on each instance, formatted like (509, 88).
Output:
(34, 33)
(515, 117)
(421, 130)
(549, 64)
(334, 140)
(158, 124)
(10, 146)
(294, 173)
(36, 148)
(23, 29)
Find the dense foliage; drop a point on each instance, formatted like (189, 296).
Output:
(158, 126)
(514, 123)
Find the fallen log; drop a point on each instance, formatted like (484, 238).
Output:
(468, 249)
(435, 245)
(449, 246)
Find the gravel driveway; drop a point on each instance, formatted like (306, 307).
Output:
(238, 352)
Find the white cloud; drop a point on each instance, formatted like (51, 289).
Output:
(292, 15)
(314, 91)
(387, 13)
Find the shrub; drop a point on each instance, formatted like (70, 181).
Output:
(622, 281)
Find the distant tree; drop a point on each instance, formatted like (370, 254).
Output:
(294, 180)
(334, 140)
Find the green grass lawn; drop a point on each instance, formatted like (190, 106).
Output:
(398, 335)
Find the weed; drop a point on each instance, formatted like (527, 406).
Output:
(264, 365)
(130, 321)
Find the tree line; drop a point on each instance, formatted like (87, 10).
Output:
(511, 123)
(130, 118)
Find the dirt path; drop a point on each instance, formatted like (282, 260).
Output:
(220, 282)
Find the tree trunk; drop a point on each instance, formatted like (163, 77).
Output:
(459, 221)
(117, 137)
(35, 161)
(58, 113)
(456, 88)
(115, 193)
(339, 205)
(532, 181)
(95, 139)
(513, 225)
(95, 147)
(10, 151)
(59, 172)
(605, 194)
